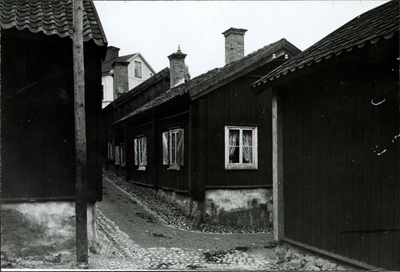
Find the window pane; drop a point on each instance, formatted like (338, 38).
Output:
(173, 148)
(233, 146)
(247, 146)
(138, 69)
(140, 151)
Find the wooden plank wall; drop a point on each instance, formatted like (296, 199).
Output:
(341, 163)
(142, 98)
(37, 119)
(142, 177)
(234, 104)
(177, 117)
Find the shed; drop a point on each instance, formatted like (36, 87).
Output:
(38, 146)
(336, 142)
(199, 143)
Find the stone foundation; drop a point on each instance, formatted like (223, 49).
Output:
(29, 229)
(246, 207)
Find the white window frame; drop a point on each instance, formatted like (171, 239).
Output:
(175, 157)
(240, 165)
(138, 71)
(141, 153)
(173, 148)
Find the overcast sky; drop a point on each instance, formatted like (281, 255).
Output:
(156, 28)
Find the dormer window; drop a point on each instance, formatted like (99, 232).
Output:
(138, 69)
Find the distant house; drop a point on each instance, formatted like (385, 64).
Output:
(337, 142)
(122, 73)
(203, 143)
(37, 135)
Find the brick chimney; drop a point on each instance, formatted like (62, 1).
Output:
(112, 53)
(234, 44)
(121, 84)
(177, 68)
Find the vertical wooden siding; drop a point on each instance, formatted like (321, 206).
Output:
(143, 177)
(37, 119)
(234, 104)
(172, 179)
(341, 165)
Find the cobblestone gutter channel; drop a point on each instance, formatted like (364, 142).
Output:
(168, 213)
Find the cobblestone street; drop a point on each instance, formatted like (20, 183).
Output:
(136, 231)
(163, 244)
(120, 252)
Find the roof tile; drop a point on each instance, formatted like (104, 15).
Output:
(51, 18)
(367, 27)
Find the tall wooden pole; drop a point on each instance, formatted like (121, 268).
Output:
(80, 135)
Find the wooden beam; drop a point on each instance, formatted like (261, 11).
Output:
(277, 166)
(80, 134)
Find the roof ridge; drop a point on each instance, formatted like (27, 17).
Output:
(184, 88)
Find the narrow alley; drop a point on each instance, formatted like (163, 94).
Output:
(138, 231)
(141, 239)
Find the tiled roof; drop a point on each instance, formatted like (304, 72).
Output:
(51, 18)
(107, 66)
(379, 23)
(184, 88)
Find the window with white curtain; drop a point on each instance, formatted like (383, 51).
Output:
(241, 147)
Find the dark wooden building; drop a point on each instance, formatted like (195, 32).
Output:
(123, 105)
(203, 144)
(37, 104)
(336, 142)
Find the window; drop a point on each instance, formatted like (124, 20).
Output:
(122, 155)
(117, 156)
(140, 146)
(110, 154)
(173, 148)
(138, 69)
(240, 147)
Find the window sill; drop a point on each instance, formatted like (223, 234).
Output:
(174, 167)
(241, 167)
(141, 168)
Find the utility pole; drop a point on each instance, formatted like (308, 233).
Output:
(80, 134)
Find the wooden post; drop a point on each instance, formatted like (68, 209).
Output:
(80, 135)
(277, 166)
